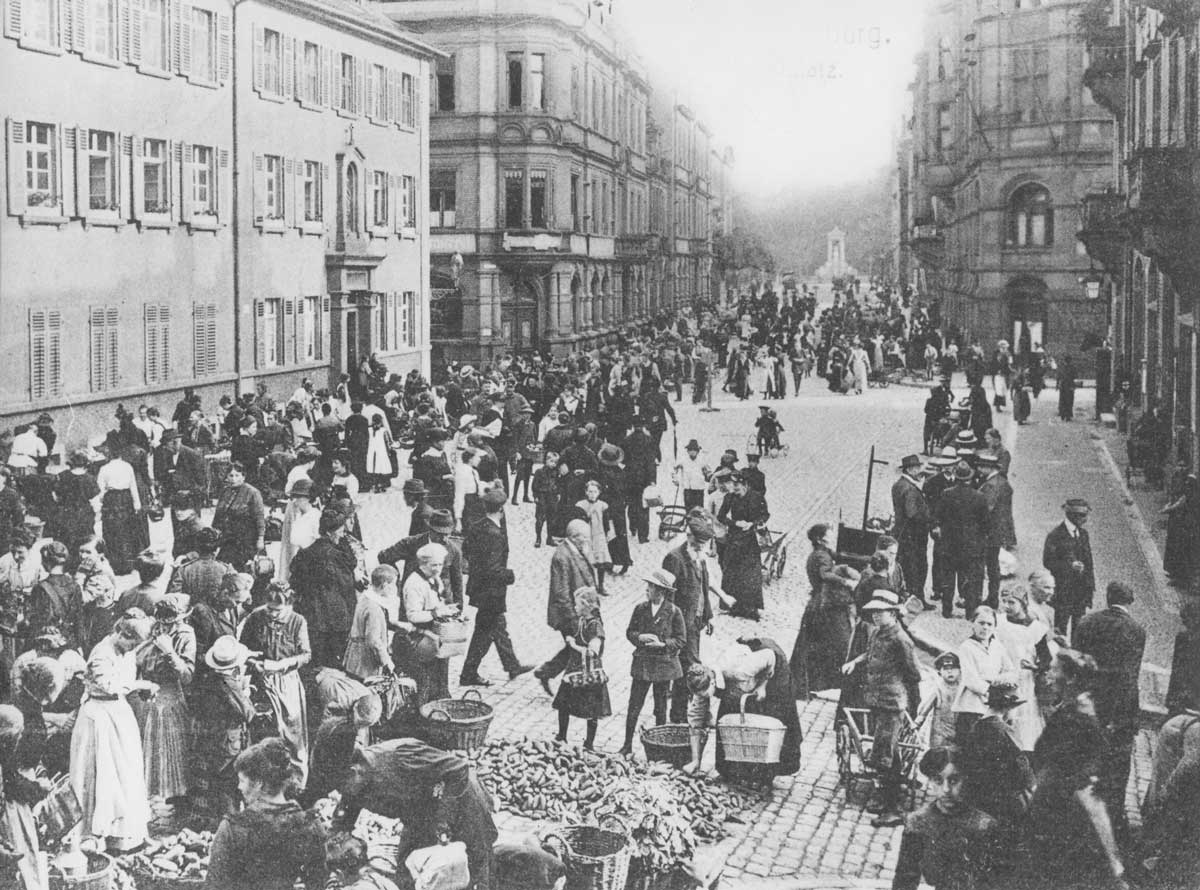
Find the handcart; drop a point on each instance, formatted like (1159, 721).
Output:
(855, 739)
(855, 546)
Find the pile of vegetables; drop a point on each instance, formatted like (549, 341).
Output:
(182, 855)
(667, 811)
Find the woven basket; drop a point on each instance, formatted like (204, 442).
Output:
(146, 880)
(457, 723)
(751, 738)
(596, 857)
(669, 743)
(99, 876)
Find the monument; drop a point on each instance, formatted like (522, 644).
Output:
(835, 265)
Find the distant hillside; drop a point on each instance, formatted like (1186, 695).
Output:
(793, 224)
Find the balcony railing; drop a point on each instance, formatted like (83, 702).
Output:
(1162, 183)
(1105, 73)
(1104, 233)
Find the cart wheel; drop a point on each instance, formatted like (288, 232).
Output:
(780, 562)
(843, 748)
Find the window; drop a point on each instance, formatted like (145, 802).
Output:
(408, 320)
(379, 198)
(346, 93)
(311, 79)
(38, 20)
(604, 218)
(267, 333)
(102, 170)
(442, 196)
(1030, 217)
(273, 195)
(514, 197)
(408, 202)
(204, 339)
(408, 101)
(1030, 83)
(45, 354)
(154, 34)
(101, 28)
(204, 45)
(157, 332)
(353, 217)
(272, 56)
(945, 128)
(204, 196)
(105, 353)
(537, 80)
(515, 80)
(576, 219)
(155, 193)
(41, 170)
(445, 84)
(306, 329)
(1175, 64)
(312, 192)
(537, 199)
(377, 93)
(575, 103)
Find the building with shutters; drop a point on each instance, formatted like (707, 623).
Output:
(204, 195)
(543, 175)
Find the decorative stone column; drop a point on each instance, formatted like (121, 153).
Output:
(489, 301)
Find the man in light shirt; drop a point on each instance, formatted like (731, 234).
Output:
(691, 474)
(28, 448)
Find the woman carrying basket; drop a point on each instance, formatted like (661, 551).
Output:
(770, 695)
(584, 690)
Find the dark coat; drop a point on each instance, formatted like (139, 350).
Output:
(891, 669)
(268, 850)
(188, 472)
(487, 554)
(323, 575)
(657, 665)
(691, 596)
(1001, 531)
(1060, 550)
(569, 571)
(911, 511)
(962, 517)
(641, 463)
(1117, 642)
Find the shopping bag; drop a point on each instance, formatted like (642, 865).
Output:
(443, 867)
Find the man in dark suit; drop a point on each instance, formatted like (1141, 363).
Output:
(570, 569)
(441, 524)
(1001, 531)
(180, 470)
(912, 522)
(689, 564)
(960, 523)
(487, 589)
(1117, 642)
(1067, 555)
(641, 470)
(933, 489)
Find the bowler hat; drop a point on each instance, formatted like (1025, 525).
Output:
(660, 578)
(987, 460)
(1003, 694)
(910, 461)
(441, 521)
(692, 445)
(169, 436)
(414, 487)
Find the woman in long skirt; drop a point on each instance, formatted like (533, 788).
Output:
(107, 767)
(78, 497)
(741, 572)
(774, 697)
(827, 624)
(1183, 529)
(165, 720)
(281, 637)
(125, 531)
(379, 456)
(18, 829)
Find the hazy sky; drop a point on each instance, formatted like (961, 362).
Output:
(808, 92)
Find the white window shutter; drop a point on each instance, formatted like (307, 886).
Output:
(125, 30)
(183, 156)
(224, 47)
(82, 194)
(37, 354)
(12, 18)
(288, 350)
(223, 186)
(96, 354)
(122, 150)
(182, 13)
(259, 52)
(296, 194)
(164, 342)
(288, 87)
(112, 346)
(14, 137)
(290, 210)
(260, 189)
(394, 185)
(323, 331)
(372, 89)
(79, 19)
(260, 340)
(150, 326)
(137, 178)
(360, 68)
(136, 25)
(326, 77)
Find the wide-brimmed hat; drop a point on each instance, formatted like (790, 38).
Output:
(441, 521)
(692, 445)
(883, 600)
(301, 488)
(985, 459)
(1003, 694)
(610, 455)
(660, 578)
(465, 421)
(963, 472)
(965, 439)
(226, 654)
(414, 487)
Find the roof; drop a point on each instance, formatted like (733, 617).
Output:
(368, 15)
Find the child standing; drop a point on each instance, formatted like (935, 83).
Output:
(701, 682)
(587, 700)
(596, 513)
(545, 496)
(939, 705)
(763, 427)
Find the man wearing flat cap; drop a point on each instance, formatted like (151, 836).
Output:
(1067, 555)
(689, 564)
(911, 525)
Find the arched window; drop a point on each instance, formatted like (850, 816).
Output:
(1030, 217)
(353, 224)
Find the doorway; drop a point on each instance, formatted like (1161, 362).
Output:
(351, 330)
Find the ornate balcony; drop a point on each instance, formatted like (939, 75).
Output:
(1177, 14)
(1105, 74)
(1103, 233)
(1163, 217)
(925, 241)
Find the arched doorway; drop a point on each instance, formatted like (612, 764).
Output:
(1026, 298)
(595, 302)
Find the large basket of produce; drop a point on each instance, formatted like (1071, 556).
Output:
(177, 862)
(99, 875)
(596, 856)
(453, 636)
(669, 743)
(457, 723)
(751, 738)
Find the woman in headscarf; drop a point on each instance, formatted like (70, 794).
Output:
(742, 512)
(125, 530)
(166, 723)
(773, 696)
(279, 638)
(98, 594)
(828, 620)
(107, 767)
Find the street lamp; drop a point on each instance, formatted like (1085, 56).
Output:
(1091, 284)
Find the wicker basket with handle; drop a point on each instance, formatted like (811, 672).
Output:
(751, 738)
(457, 723)
(596, 856)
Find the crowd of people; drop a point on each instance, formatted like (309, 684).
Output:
(245, 687)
